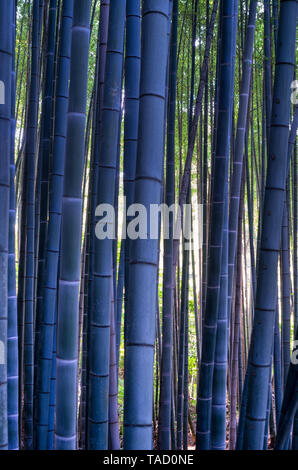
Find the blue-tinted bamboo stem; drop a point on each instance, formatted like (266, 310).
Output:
(138, 386)
(277, 366)
(100, 78)
(204, 400)
(239, 145)
(237, 332)
(6, 56)
(30, 164)
(259, 367)
(44, 166)
(114, 438)
(218, 424)
(69, 278)
(98, 410)
(52, 400)
(181, 352)
(132, 69)
(289, 405)
(119, 303)
(285, 294)
(54, 228)
(164, 422)
(12, 327)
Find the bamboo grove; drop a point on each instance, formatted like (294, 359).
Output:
(142, 342)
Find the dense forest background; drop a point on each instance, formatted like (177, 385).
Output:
(140, 344)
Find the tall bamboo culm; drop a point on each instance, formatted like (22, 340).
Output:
(12, 325)
(29, 197)
(6, 56)
(52, 246)
(69, 277)
(138, 385)
(259, 366)
(99, 365)
(220, 169)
